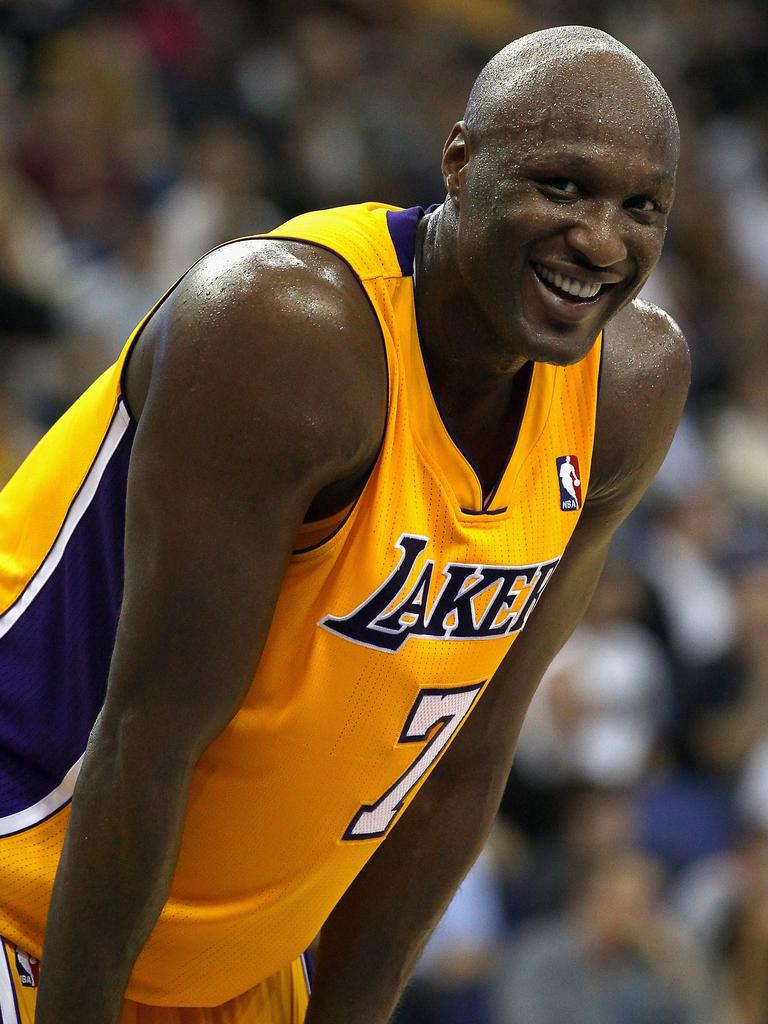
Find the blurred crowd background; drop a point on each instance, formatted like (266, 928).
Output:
(627, 879)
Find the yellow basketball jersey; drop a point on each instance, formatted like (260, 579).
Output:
(390, 624)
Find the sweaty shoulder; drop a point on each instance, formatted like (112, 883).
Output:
(268, 342)
(644, 383)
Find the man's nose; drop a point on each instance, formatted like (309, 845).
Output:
(598, 238)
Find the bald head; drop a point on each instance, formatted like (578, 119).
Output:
(547, 80)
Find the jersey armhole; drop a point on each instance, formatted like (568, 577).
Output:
(319, 532)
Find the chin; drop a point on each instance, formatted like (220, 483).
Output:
(560, 348)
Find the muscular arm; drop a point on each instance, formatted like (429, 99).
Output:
(371, 942)
(267, 386)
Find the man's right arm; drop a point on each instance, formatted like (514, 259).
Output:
(268, 385)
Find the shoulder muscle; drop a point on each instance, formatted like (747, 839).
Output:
(262, 335)
(645, 378)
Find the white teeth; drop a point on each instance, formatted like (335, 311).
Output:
(579, 289)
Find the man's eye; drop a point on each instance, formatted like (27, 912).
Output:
(642, 204)
(564, 185)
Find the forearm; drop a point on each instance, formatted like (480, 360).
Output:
(112, 881)
(372, 940)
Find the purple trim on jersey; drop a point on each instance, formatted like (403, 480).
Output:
(309, 969)
(402, 226)
(54, 661)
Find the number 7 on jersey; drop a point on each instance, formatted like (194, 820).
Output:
(445, 708)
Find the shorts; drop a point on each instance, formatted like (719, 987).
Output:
(279, 999)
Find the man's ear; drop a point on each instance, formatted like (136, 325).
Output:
(455, 156)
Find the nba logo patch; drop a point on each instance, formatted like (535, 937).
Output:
(27, 968)
(569, 479)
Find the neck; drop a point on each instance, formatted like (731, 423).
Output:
(478, 387)
(467, 361)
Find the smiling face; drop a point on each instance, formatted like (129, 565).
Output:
(561, 186)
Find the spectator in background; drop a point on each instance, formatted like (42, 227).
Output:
(220, 195)
(96, 135)
(538, 873)
(745, 935)
(723, 901)
(682, 567)
(750, 728)
(613, 956)
(452, 982)
(605, 697)
(738, 431)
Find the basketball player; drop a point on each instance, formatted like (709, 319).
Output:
(333, 459)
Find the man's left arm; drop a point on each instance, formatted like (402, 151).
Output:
(371, 941)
